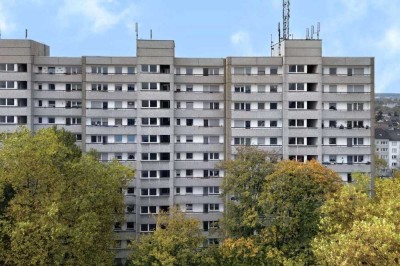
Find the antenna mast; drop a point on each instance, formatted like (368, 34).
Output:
(286, 17)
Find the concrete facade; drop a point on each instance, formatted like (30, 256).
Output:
(174, 119)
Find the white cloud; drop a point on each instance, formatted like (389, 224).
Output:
(391, 40)
(242, 40)
(98, 15)
(6, 23)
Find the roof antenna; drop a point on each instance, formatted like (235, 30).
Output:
(151, 34)
(286, 17)
(26, 33)
(137, 30)
(318, 29)
(272, 45)
(307, 33)
(312, 32)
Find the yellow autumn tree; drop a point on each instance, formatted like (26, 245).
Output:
(57, 205)
(177, 240)
(359, 230)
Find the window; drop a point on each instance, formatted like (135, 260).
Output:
(210, 173)
(213, 190)
(99, 70)
(189, 207)
(355, 88)
(6, 119)
(260, 123)
(148, 209)
(118, 138)
(214, 105)
(209, 225)
(332, 88)
(149, 174)
(273, 88)
(242, 141)
(273, 71)
(273, 141)
(296, 68)
(51, 120)
(214, 207)
(149, 104)
(149, 68)
(273, 123)
(131, 70)
(148, 192)
(242, 106)
(360, 141)
(273, 106)
(243, 71)
(261, 106)
(332, 141)
(243, 88)
(130, 191)
(296, 86)
(261, 71)
(332, 71)
(355, 106)
(210, 71)
(189, 71)
(99, 87)
(149, 121)
(147, 227)
(189, 172)
(131, 138)
(130, 226)
(189, 190)
(189, 156)
(130, 208)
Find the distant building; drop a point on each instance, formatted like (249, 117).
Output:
(174, 119)
(387, 145)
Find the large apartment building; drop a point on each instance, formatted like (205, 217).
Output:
(174, 119)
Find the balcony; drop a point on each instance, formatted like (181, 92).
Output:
(207, 113)
(199, 79)
(257, 132)
(62, 111)
(111, 95)
(112, 147)
(198, 147)
(40, 94)
(346, 115)
(198, 96)
(344, 149)
(270, 79)
(345, 79)
(349, 168)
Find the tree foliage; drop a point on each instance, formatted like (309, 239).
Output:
(275, 204)
(291, 201)
(176, 241)
(242, 186)
(357, 229)
(57, 204)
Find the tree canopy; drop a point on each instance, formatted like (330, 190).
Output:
(242, 186)
(176, 241)
(357, 229)
(57, 205)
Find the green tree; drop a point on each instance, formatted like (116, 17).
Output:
(242, 186)
(357, 229)
(58, 205)
(176, 241)
(290, 202)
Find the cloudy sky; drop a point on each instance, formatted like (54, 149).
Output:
(210, 28)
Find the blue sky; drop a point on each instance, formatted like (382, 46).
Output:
(210, 28)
